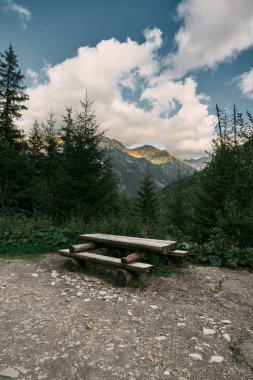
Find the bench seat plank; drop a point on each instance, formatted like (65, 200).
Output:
(106, 260)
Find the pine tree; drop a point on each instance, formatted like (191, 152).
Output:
(225, 197)
(89, 185)
(147, 202)
(12, 97)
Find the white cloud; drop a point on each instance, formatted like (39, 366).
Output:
(33, 76)
(245, 83)
(106, 70)
(212, 31)
(23, 13)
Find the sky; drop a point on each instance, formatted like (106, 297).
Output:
(154, 68)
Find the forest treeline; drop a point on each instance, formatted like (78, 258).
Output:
(58, 181)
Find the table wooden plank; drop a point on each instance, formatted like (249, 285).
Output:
(106, 260)
(129, 242)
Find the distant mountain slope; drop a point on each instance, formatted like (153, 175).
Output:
(199, 163)
(132, 164)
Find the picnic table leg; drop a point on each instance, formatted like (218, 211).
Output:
(72, 265)
(122, 277)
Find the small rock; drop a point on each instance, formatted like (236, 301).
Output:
(160, 337)
(181, 324)
(196, 356)
(22, 370)
(154, 307)
(216, 359)
(227, 337)
(42, 376)
(167, 372)
(102, 293)
(226, 321)
(79, 294)
(53, 283)
(9, 372)
(35, 275)
(86, 299)
(208, 331)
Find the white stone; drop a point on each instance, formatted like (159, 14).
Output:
(86, 299)
(160, 337)
(79, 294)
(181, 324)
(216, 359)
(199, 348)
(9, 372)
(154, 307)
(167, 372)
(120, 299)
(108, 297)
(196, 356)
(227, 337)
(226, 321)
(35, 275)
(53, 283)
(102, 293)
(54, 274)
(208, 331)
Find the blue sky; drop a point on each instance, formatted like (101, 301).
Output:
(155, 68)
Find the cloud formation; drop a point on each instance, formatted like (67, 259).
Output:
(245, 83)
(110, 70)
(211, 32)
(23, 13)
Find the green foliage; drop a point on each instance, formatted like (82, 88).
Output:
(140, 282)
(23, 236)
(159, 269)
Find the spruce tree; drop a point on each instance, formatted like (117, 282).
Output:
(12, 97)
(147, 202)
(89, 185)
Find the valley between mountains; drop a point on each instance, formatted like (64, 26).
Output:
(131, 165)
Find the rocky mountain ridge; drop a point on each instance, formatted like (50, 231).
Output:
(131, 165)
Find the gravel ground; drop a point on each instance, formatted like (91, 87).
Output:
(196, 324)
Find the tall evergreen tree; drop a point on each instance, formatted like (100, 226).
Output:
(90, 186)
(12, 96)
(147, 202)
(225, 198)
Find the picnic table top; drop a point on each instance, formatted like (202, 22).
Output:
(129, 242)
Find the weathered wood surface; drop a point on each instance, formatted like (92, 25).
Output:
(72, 265)
(178, 253)
(82, 247)
(106, 260)
(132, 257)
(122, 277)
(149, 245)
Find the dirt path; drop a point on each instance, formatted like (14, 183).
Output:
(196, 324)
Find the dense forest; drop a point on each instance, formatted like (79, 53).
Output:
(57, 181)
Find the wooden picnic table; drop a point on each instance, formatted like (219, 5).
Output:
(138, 247)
